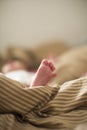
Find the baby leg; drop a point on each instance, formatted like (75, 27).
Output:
(43, 74)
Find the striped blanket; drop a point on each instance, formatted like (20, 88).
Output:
(45, 107)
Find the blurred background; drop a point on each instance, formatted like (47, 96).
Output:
(34, 22)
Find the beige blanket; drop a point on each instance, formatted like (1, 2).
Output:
(42, 107)
(71, 65)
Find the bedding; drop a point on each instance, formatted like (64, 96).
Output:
(55, 48)
(71, 65)
(22, 76)
(43, 107)
(61, 104)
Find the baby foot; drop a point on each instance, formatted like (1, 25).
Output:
(43, 74)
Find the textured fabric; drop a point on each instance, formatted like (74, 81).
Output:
(42, 107)
(21, 76)
(71, 65)
(14, 95)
